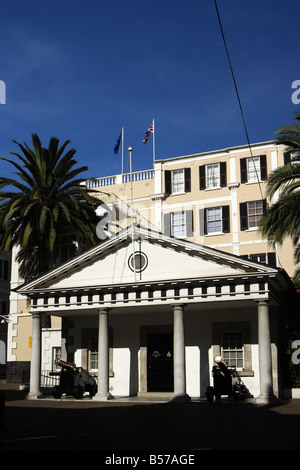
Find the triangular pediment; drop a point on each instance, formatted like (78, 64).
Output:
(160, 257)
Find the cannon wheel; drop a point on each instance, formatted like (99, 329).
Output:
(93, 390)
(57, 392)
(78, 392)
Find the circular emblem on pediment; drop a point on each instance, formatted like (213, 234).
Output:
(138, 261)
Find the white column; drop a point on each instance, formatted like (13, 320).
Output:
(234, 217)
(103, 357)
(35, 365)
(265, 357)
(179, 356)
(157, 198)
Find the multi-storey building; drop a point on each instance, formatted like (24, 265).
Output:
(207, 208)
(215, 199)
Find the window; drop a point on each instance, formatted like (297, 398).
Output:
(264, 258)
(261, 258)
(56, 354)
(93, 353)
(290, 157)
(255, 213)
(213, 176)
(214, 220)
(179, 224)
(178, 181)
(64, 250)
(250, 214)
(253, 169)
(138, 261)
(232, 340)
(89, 343)
(178, 221)
(232, 349)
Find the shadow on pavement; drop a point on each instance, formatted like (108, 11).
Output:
(118, 426)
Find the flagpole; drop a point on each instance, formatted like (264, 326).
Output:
(153, 143)
(122, 148)
(131, 196)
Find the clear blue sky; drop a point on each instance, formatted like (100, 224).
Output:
(82, 70)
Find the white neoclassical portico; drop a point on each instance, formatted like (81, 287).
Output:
(162, 316)
(179, 356)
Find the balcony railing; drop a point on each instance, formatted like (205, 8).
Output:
(119, 179)
(138, 176)
(99, 182)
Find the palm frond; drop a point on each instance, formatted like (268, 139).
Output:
(48, 201)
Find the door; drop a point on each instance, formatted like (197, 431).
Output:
(160, 362)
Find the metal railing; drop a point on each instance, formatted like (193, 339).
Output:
(49, 378)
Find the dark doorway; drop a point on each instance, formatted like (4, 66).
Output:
(160, 362)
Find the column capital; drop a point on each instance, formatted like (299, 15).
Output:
(179, 305)
(262, 301)
(36, 314)
(103, 310)
(233, 185)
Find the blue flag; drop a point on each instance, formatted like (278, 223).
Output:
(116, 149)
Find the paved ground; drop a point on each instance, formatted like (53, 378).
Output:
(155, 427)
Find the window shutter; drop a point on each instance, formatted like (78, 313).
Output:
(168, 185)
(243, 167)
(272, 259)
(264, 206)
(287, 157)
(223, 176)
(202, 222)
(189, 223)
(202, 177)
(187, 180)
(225, 219)
(167, 224)
(263, 167)
(243, 215)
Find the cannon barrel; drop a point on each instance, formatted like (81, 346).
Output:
(65, 365)
(222, 365)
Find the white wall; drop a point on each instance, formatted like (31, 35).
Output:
(50, 338)
(198, 339)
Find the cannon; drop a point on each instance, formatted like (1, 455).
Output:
(73, 381)
(226, 382)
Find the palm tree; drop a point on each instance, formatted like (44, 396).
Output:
(46, 202)
(282, 219)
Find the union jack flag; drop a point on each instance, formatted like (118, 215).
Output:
(149, 131)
